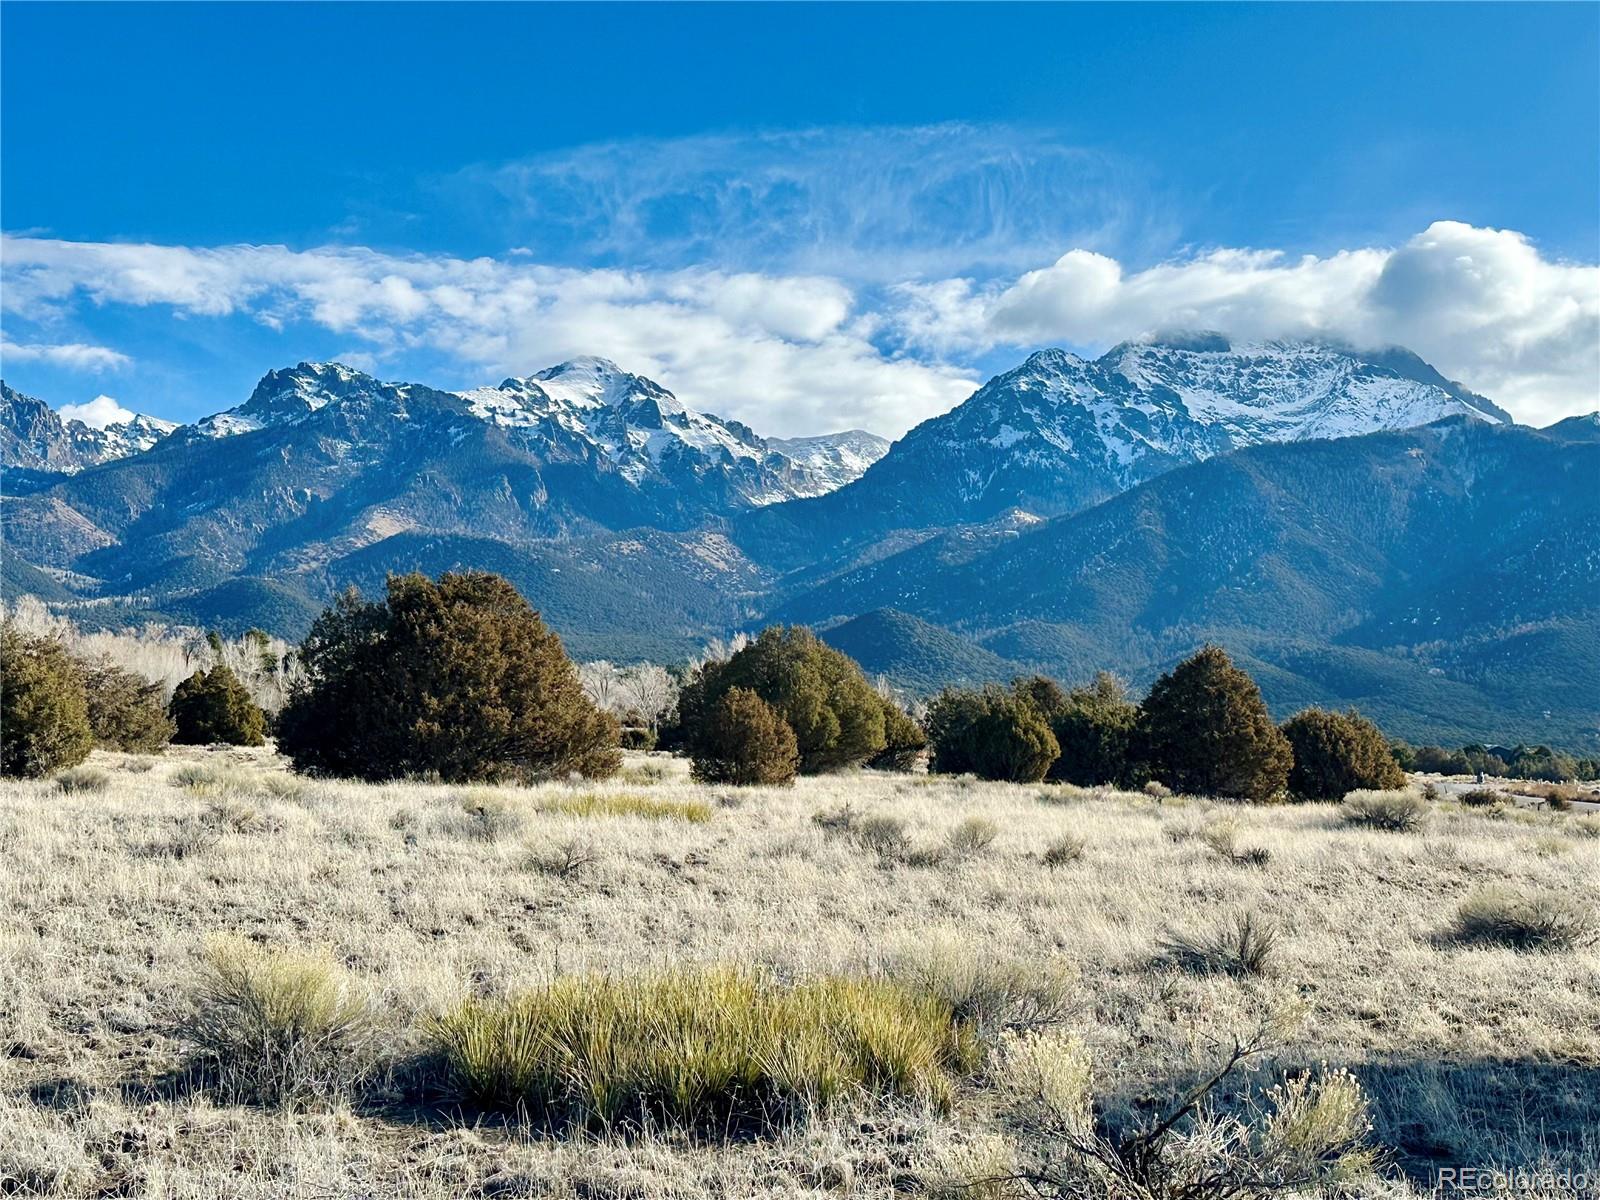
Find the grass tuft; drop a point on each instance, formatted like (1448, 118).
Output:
(1397, 811)
(1068, 848)
(1242, 945)
(700, 1049)
(1498, 917)
(628, 804)
(275, 1027)
(81, 780)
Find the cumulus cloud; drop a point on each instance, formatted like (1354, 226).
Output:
(75, 355)
(804, 352)
(98, 413)
(1482, 305)
(785, 353)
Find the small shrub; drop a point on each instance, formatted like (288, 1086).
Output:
(1484, 798)
(1338, 753)
(700, 1049)
(457, 679)
(564, 860)
(1061, 851)
(820, 693)
(1241, 945)
(1398, 812)
(638, 737)
(993, 734)
(1094, 726)
(972, 837)
(1157, 790)
(1497, 917)
(213, 707)
(43, 711)
(275, 1027)
(742, 740)
(904, 740)
(1205, 730)
(82, 779)
(1306, 1136)
(125, 712)
(1587, 826)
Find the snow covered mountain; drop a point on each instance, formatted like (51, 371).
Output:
(587, 410)
(1060, 433)
(834, 459)
(34, 437)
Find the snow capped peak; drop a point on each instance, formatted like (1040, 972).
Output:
(833, 459)
(1058, 432)
(288, 395)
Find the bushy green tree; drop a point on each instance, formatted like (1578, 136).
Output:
(903, 740)
(743, 740)
(125, 711)
(821, 694)
(993, 733)
(458, 679)
(1094, 727)
(213, 706)
(1541, 762)
(1204, 729)
(44, 718)
(1338, 753)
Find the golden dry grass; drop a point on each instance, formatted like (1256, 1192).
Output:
(109, 900)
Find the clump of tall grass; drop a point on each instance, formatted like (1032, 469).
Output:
(1396, 811)
(988, 993)
(1223, 840)
(1059, 852)
(1499, 917)
(971, 838)
(79, 780)
(487, 815)
(274, 1027)
(206, 780)
(699, 1049)
(627, 804)
(1243, 944)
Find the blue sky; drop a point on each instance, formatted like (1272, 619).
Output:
(802, 216)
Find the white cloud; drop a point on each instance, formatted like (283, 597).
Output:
(787, 354)
(75, 355)
(803, 353)
(879, 203)
(98, 413)
(1482, 305)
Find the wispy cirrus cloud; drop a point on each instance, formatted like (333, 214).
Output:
(73, 355)
(870, 204)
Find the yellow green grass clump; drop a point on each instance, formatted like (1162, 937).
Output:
(713, 1048)
(628, 804)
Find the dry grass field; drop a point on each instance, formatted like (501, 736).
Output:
(1087, 913)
